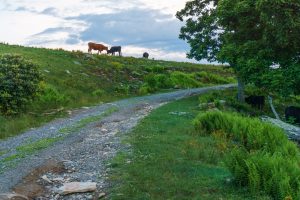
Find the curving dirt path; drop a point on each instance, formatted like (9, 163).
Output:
(76, 149)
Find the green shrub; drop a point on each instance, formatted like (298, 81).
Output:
(163, 81)
(51, 97)
(260, 156)
(122, 89)
(154, 82)
(210, 97)
(117, 66)
(205, 77)
(155, 69)
(183, 80)
(151, 81)
(19, 80)
(98, 93)
(145, 89)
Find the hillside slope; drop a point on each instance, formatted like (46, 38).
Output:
(75, 79)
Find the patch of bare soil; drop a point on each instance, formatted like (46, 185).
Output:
(30, 187)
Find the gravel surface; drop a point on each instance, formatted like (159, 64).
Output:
(81, 156)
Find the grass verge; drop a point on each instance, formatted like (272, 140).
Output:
(169, 160)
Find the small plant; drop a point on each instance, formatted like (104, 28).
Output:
(122, 89)
(116, 65)
(19, 83)
(51, 97)
(98, 93)
(145, 89)
(183, 80)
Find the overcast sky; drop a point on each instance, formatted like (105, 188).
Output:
(136, 25)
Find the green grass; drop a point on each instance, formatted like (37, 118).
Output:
(72, 80)
(169, 160)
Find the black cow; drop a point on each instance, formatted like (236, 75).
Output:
(293, 112)
(146, 55)
(256, 101)
(115, 49)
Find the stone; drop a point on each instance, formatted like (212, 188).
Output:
(77, 187)
(101, 195)
(45, 178)
(59, 179)
(104, 130)
(13, 196)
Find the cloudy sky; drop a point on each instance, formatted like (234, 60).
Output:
(136, 25)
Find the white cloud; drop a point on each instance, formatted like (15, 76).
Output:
(59, 24)
(17, 26)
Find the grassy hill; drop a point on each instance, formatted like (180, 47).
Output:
(75, 79)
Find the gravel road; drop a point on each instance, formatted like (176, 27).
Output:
(83, 153)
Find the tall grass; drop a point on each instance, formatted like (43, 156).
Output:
(259, 155)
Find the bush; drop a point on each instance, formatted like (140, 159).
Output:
(205, 77)
(51, 97)
(122, 89)
(116, 65)
(19, 83)
(260, 155)
(98, 93)
(155, 82)
(183, 80)
(145, 89)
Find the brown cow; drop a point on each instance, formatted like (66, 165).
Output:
(99, 47)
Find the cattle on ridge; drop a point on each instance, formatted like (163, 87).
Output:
(97, 47)
(115, 49)
(146, 55)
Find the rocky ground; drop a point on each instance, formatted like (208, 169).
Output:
(80, 160)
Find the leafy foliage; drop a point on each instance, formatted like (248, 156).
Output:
(179, 79)
(260, 155)
(51, 97)
(251, 36)
(19, 83)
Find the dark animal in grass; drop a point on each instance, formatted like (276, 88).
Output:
(256, 101)
(293, 112)
(116, 49)
(146, 55)
(97, 47)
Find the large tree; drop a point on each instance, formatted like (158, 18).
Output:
(258, 38)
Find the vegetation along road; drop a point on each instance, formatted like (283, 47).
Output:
(77, 148)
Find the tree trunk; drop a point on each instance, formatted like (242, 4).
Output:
(241, 90)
